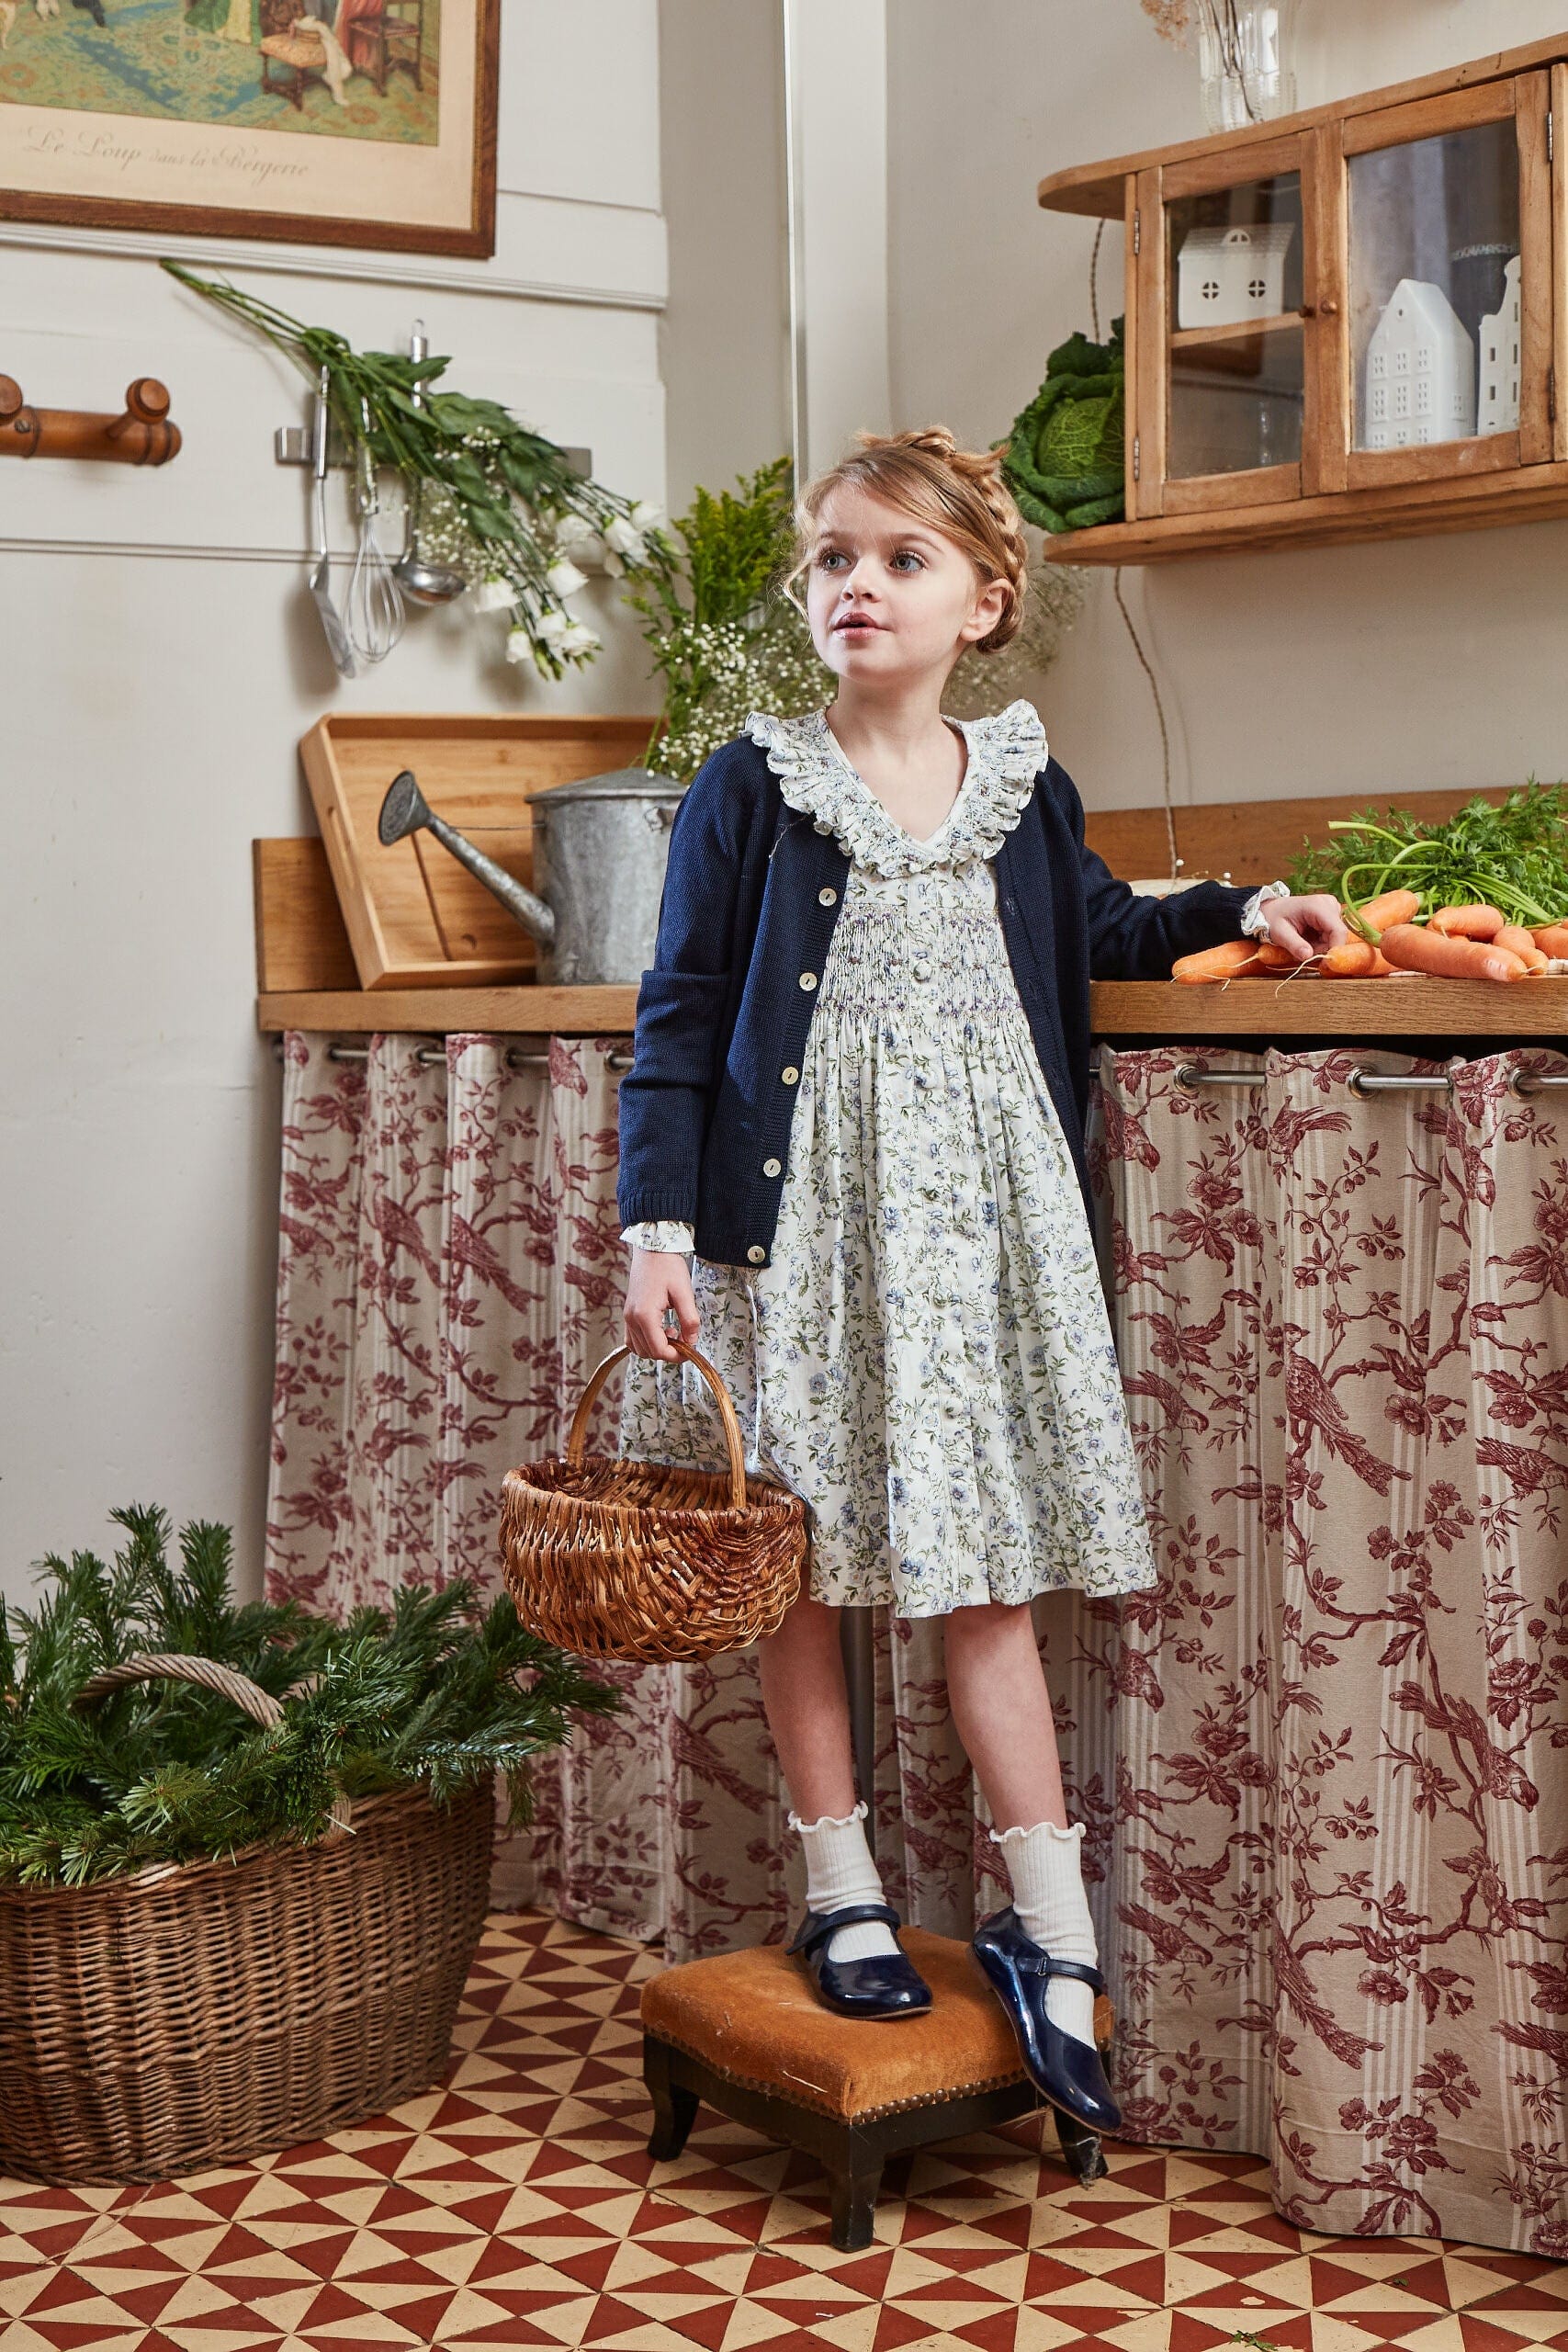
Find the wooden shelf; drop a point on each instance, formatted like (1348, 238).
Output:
(1408, 1005)
(1193, 338)
(529, 1011)
(1396, 511)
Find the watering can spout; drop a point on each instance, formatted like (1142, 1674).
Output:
(405, 810)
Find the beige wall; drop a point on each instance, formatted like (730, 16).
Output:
(1431, 662)
(160, 660)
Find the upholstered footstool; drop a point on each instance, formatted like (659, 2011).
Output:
(746, 2032)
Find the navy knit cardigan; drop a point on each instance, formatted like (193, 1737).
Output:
(752, 893)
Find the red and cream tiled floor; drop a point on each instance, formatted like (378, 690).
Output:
(517, 2206)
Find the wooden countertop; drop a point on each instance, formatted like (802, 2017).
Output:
(1409, 1005)
(530, 1011)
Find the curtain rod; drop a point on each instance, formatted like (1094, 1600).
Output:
(1187, 1076)
(1360, 1081)
(516, 1057)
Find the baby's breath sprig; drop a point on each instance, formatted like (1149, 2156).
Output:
(725, 638)
(502, 503)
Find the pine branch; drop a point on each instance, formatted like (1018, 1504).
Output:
(439, 1691)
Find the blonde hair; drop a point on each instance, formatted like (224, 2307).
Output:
(959, 492)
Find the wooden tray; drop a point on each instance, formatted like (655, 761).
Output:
(415, 917)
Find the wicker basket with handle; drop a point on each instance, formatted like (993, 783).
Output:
(198, 2013)
(608, 1556)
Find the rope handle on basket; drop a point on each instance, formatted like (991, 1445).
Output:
(601, 1372)
(157, 1666)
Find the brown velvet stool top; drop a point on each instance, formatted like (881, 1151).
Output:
(754, 2017)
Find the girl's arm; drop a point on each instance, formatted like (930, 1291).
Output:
(1131, 936)
(665, 1096)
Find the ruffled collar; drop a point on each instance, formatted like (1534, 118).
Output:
(1007, 753)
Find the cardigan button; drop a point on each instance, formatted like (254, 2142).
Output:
(789, 1074)
(756, 1253)
(827, 897)
(808, 982)
(771, 1168)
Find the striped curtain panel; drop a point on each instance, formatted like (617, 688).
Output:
(1322, 1765)
(1336, 1815)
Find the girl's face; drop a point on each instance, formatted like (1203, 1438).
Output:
(887, 597)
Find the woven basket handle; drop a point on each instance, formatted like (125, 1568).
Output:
(737, 1451)
(158, 1666)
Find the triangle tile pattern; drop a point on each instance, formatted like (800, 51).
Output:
(516, 2205)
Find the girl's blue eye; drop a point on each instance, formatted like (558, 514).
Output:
(829, 556)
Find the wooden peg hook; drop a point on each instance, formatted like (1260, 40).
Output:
(142, 436)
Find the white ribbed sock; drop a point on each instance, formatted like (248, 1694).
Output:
(1045, 1865)
(839, 1869)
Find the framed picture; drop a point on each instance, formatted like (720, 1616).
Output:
(371, 122)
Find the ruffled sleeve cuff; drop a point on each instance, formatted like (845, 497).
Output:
(662, 1232)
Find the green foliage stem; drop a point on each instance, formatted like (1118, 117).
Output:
(510, 488)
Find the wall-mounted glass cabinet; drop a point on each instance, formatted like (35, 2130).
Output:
(1345, 323)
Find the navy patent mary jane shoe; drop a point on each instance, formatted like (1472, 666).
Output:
(887, 1987)
(1066, 2071)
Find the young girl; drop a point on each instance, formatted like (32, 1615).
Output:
(859, 1078)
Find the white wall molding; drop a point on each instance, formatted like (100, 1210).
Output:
(138, 549)
(415, 271)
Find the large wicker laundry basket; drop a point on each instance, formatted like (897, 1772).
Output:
(197, 2014)
(608, 1556)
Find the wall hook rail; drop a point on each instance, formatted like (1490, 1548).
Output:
(141, 435)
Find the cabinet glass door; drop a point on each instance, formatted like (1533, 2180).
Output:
(1233, 389)
(1446, 279)
(1236, 383)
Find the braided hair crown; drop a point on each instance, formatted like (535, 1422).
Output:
(959, 493)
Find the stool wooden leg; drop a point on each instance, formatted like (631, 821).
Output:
(674, 2106)
(854, 2177)
(1080, 2146)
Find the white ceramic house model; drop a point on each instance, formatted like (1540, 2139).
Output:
(1420, 371)
(1497, 405)
(1224, 276)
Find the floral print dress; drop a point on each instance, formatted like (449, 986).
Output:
(927, 1359)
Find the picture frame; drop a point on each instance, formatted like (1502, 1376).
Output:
(370, 123)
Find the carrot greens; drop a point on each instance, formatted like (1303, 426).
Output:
(1513, 855)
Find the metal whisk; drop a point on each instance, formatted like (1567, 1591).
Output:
(374, 605)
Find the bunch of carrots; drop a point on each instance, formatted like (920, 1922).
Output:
(1466, 943)
(1484, 897)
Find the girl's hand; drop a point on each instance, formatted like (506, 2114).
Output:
(1309, 926)
(659, 1279)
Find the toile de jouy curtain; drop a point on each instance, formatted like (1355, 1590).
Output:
(1324, 1764)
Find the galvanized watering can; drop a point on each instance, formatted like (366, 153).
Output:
(600, 849)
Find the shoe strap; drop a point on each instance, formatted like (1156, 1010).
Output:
(1048, 1965)
(851, 1915)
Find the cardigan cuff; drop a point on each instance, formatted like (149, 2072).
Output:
(652, 1206)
